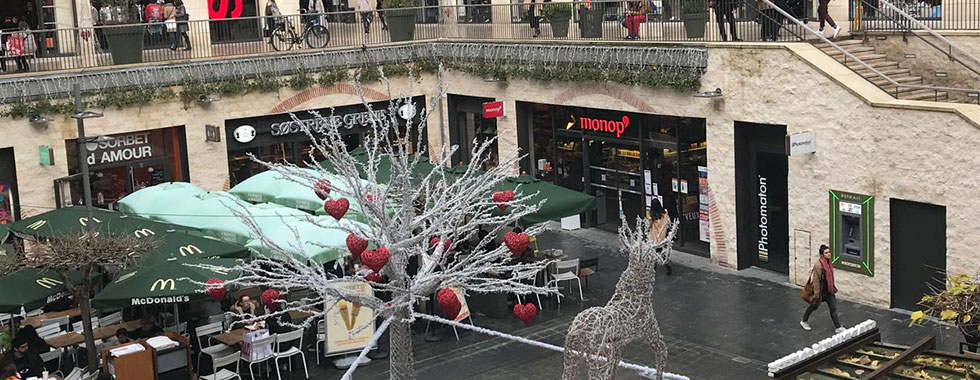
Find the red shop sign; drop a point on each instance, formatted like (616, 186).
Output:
(494, 109)
(600, 125)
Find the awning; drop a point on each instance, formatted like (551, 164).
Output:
(31, 288)
(559, 201)
(167, 282)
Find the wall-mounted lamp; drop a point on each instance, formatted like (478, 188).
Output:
(93, 143)
(41, 121)
(207, 99)
(86, 115)
(710, 94)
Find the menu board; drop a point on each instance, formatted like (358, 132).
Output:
(703, 226)
(349, 325)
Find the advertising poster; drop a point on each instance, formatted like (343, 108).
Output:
(464, 309)
(345, 318)
(703, 226)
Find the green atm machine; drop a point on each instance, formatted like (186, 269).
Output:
(852, 231)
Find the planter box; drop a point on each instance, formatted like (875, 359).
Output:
(125, 43)
(590, 23)
(401, 24)
(559, 28)
(695, 23)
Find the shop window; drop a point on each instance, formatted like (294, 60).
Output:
(693, 158)
(9, 210)
(543, 142)
(233, 21)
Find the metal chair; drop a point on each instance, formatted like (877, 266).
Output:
(79, 327)
(566, 270)
(212, 350)
(75, 374)
(321, 337)
(292, 336)
(257, 345)
(53, 355)
(220, 373)
(220, 318)
(49, 331)
(588, 268)
(179, 329)
(111, 319)
(91, 376)
(60, 321)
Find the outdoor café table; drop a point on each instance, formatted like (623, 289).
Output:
(231, 338)
(73, 338)
(36, 320)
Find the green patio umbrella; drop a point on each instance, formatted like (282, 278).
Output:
(262, 187)
(167, 282)
(212, 213)
(181, 245)
(559, 201)
(69, 221)
(319, 245)
(158, 199)
(31, 288)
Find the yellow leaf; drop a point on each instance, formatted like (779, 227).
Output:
(966, 318)
(947, 315)
(917, 317)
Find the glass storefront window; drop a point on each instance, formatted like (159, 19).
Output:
(693, 154)
(543, 143)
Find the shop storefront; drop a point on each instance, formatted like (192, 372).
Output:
(9, 208)
(124, 163)
(628, 161)
(468, 124)
(279, 138)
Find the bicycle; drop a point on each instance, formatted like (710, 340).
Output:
(315, 34)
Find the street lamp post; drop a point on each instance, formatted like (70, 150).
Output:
(80, 116)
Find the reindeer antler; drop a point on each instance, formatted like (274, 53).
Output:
(637, 241)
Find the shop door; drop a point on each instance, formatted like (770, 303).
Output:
(918, 243)
(616, 182)
(147, 174)
(762, 219)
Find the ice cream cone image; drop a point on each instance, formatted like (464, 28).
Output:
(353, 316)
(344, 315)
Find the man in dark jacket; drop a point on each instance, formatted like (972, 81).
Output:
(27, 359)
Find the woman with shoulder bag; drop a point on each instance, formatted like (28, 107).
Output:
(182, 17)
(822, 276)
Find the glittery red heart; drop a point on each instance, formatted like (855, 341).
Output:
(215, 288)
(503, 198)
(375, 277)
(322, 188)
(525, 312)
(517, 242)
(356, 245)
(445, 245)
(449, 303)
(375, 259)
(336, 207)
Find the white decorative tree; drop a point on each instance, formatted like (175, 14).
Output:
(407, 216)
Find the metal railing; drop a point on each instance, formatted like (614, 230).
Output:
(106, 46)
(892, 87)
(873, 15)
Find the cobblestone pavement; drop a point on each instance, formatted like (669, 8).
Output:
(718, 324)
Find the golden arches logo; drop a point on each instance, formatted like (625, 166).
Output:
(162, 284)
(48, 282)
(84, 221)
(189, 249)
(37, 225)
(144, 232)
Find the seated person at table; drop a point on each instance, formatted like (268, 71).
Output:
(9, 372)
(245, 306)
(25, 358)
(148, 328)
(121, 337)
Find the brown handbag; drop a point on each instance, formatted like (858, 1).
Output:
(808, 295)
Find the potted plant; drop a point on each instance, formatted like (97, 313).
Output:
(122, 31)
(695, 16)
(401, 19)
(957, 304)
(590, 21)
(558, 15)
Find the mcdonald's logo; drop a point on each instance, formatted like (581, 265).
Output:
(221, 271)
(189, 250)
(37, 225)
(84, 221)
(163, 284)
(48, 282)
(144, 232)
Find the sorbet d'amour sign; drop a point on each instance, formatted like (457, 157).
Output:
(134, 146)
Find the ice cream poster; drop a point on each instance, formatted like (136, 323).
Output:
(349, 325)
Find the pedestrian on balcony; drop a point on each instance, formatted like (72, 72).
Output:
(366, 11)
(21, 45)
(170, 21)
(273, 18)
(533, 18)
(725, 9)
(823, 15)
(822, 277)
(381, 15)
(636, 13)
(182, 27)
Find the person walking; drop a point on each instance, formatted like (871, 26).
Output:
(170, 21)
(823, 14)
(725, 9)
(182, 27)
(381, 14)
(659, 227)
(822, 275)
(533, 18)
(635, 15)
(363, 8)
(273, 18)
(28, 46)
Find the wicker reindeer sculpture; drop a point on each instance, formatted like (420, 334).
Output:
(598, 334)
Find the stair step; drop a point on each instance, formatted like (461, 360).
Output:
(855, 50)
(908, 79)
(842, 43)
(892, 72)
(869, 57)
(879, 65)
(924, 95)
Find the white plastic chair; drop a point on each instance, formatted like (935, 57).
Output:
(212, 349)
(179, 329)
(321, 337)
(75, 374)
(91, 376)
(292, 336)
(111, 319)
(220, 318)
(49, 331)
(566, 270)
(61, 321)
(221, 373)
(52, 355)
(79, 327)
(257, 345)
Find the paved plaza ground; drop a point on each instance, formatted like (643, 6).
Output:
(718, 324)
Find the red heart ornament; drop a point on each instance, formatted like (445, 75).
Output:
(215, 288)
(525, 312)
(517, 242)
(375, 277)
(375, 259)
(445, 245)
(270, 298)
(449, 303)
(336, 207)
(356, 245)
(503, 198)
(322, 188)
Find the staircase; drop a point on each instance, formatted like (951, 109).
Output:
(887, 67)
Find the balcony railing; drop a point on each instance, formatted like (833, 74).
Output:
(101, 46)
(873, 15)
